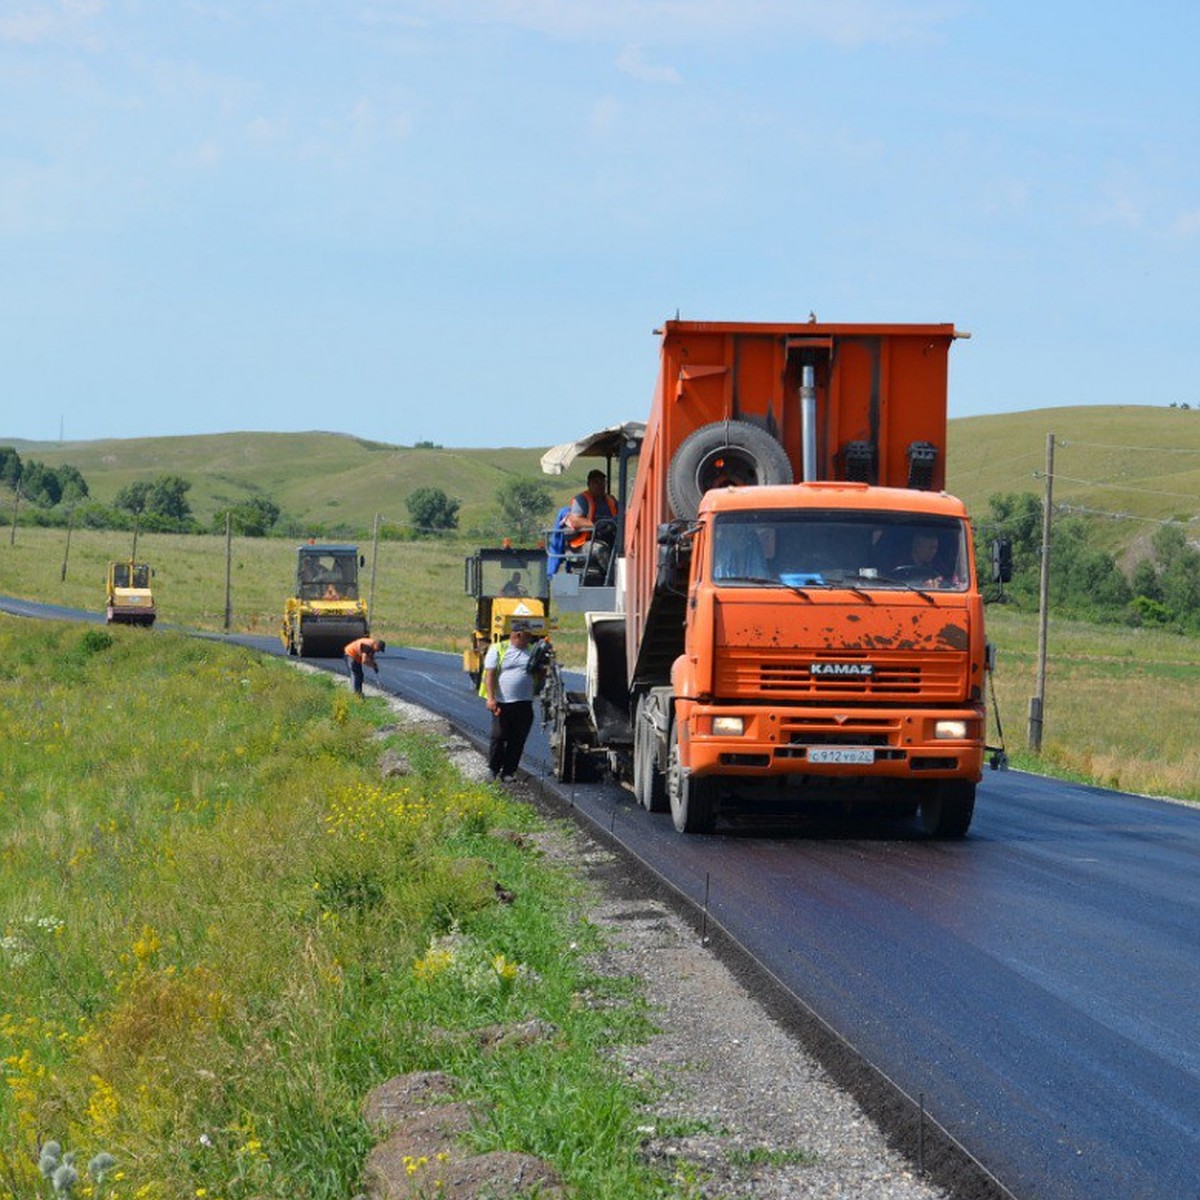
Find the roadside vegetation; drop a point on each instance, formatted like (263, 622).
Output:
(220, 926)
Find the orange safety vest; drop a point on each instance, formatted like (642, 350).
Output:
(360, 650)
(588, 500)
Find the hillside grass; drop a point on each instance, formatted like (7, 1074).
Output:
(220, 927)
(1131, 465)
(319, 480)
(1136, 460)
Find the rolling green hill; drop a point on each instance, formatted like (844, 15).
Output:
(324, 479)
(1131, 465)
(1138, 462)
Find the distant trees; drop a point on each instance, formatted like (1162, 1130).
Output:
(1086, 581)
(1166, 586)
(161, 504)
(40, 484)
(525, 504)
(251, 518)
(431, 510)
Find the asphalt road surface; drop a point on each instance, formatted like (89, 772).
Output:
(1036, 985)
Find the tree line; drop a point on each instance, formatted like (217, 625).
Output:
(1086, 582)
(59, 496)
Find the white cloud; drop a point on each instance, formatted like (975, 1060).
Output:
(631, 61)
(1187, 225)
(362, 115)
(1006, 196)
(1118, 208)
(263, 131)
(67, 22)
(673, 22)
(604, 115)
(203, 157)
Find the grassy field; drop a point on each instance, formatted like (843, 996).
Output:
(419, 586)
(219, 928)
(1121, 704)
(1120, 708)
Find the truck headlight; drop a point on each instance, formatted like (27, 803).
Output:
(950, 730)
(728, 726)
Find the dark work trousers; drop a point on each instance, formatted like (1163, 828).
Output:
(356, 673)
(510, 728)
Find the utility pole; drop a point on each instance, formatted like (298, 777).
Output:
(374, 560)
(137, 520)
(12, 537)
(67, 549)
(228, 569)
(1037, 702)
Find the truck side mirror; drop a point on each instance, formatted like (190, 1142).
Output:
(362, 560)
(1001, 560)
(674, 554)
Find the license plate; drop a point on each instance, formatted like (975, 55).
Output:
(841, 754)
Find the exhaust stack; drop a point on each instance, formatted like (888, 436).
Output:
(808, 423)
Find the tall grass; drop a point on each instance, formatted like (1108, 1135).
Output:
(220, 927)
(1120, 706)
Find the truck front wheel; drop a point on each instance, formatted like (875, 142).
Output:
(693, 801)
(947, 808)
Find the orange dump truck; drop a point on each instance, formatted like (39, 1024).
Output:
(793, 612)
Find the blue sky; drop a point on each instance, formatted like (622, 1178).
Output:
(460, 220)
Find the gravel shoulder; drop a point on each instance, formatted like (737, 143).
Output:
(755, 1096)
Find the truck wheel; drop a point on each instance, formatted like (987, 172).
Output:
(693, 801)
(564, 757)
(947, 808)
(649, 786)
(725, 452)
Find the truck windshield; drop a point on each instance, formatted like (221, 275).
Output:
(329, 576)
(514, 575)
(813, 548)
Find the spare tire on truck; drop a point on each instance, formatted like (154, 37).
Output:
(720, 454)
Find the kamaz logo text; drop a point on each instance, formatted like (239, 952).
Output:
(853, 670)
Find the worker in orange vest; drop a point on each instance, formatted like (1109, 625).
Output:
(361, 653)
(588, 507)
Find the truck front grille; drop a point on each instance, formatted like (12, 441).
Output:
(927, 677)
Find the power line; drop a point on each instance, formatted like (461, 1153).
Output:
(1099, 512)
(1141, 449)
(1121, 487)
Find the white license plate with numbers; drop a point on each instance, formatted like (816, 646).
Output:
(841, 754)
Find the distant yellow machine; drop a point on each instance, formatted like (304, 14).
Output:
(325, 610)
(129, 595)
(512, 590)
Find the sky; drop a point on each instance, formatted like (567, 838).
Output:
(461, 221)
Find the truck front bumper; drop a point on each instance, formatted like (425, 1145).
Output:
(942, 743)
